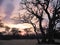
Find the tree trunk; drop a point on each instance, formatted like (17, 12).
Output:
(42, 31)
(50, 32)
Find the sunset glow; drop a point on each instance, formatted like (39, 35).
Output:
(13, 16)
(21, 26)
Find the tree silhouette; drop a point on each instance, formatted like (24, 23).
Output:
(14, 31)
(37, 8)
(27, 19)
(7, 28)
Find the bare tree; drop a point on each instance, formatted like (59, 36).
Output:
(38, 7)
(28, 19)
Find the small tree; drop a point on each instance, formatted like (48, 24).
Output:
(7, 28)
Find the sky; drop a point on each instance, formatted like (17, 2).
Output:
(9, 9)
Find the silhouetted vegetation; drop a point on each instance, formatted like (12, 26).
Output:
(37, 8)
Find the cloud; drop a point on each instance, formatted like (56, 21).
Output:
(1, 2)
(8, 10)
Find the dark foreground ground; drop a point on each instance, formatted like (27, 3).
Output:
(23, 42)
(26, 40)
